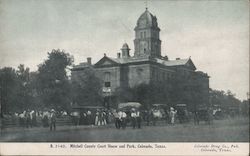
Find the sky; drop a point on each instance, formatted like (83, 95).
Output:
(214, 33)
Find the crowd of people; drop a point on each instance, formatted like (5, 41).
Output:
(31, 118)
(100, 117)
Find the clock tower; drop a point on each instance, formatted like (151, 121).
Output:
(147, 41)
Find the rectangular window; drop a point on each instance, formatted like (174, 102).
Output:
(144, 34)
(141, 35)
(107, 84)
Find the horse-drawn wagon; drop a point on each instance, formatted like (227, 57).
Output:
(182, 113)
(203, 113)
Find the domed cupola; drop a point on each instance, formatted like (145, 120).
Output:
(125, 50)
(146, 20)
(125, 46)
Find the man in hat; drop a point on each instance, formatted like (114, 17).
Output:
(133, 117)
(138, 118)
(124, 118)
(52, 120)
(172, 115)
(116, 117)
(119, 118)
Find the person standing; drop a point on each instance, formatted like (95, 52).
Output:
(33, 118)
(84, 118)
(133, 117)
(89, 121)
(172, 115)
(97, 118)
(22, 119)
(103, 118)
(52, 120)
(196, 117)
(124, 122)
(147, 116)
(155, 115)
(120, 119)
(116, 117)
(138, 118)
(28, 119)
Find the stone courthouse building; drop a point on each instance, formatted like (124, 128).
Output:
(146, 65)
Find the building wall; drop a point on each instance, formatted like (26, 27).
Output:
(161, 74)
(114, 76)
(139, 74)
(192, 82)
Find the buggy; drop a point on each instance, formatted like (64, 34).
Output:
(203, 114)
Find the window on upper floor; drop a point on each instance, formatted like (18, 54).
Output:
(107, 79)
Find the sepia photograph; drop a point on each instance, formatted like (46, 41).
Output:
(124, 75)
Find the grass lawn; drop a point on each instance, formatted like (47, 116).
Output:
(228, 130)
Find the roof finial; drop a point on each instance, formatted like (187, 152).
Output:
(146, 5)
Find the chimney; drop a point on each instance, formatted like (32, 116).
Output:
(177, 58)
(165, 58)
(89, 60)
(118, 55)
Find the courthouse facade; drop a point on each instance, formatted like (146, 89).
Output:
(147, 65)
